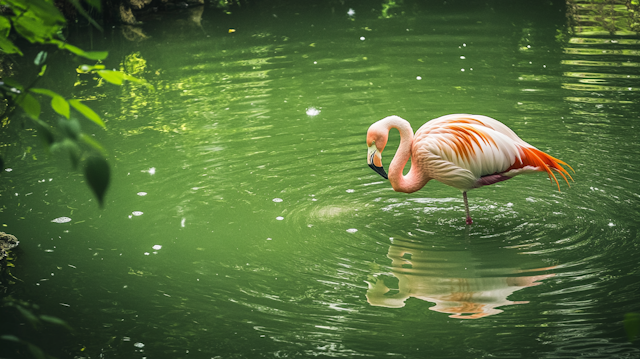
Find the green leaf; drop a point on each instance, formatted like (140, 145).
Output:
(54, 320)
(83, 69)
(93, 143)
(40, 58)
(91, 55)
(115, 77)
(60, 105)
(87, 112)
(30, 105)
(97, 173)
(45, 92)
(28, 316)
(8, 47)
(36, 352)
(632, 325)
(70, 128)
(12, 338)
(13, 83)
(42, 70)
(5, 26)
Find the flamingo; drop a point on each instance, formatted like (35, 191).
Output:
(462, 151)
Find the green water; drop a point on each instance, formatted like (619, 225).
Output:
(246, 164)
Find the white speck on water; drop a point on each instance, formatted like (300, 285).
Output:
(157, 247)
(146, 253)
(141, 193)
(462, 57)
(509, 204)
(350, 190)
(137, 213)
(182, 222)
(268, 239)
(462, 70)
(279, 218)
(362, 38)
(611, 224)
(351, 12)
(8, 169)
(61, 220)
(277, 199)
(151, 171)
(138, 345)
(352, 230)
(418, 77)
(312, 111)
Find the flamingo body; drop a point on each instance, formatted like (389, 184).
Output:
(462, 151)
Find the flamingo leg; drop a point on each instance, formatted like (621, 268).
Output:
(466, 208)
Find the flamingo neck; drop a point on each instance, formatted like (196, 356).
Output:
(414, 180)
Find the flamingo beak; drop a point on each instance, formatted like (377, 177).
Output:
(374, 159)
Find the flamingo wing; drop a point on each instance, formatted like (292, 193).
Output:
(470, 151)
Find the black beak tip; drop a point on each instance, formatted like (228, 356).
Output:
(379, 170)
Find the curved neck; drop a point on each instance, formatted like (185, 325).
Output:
(414, 180)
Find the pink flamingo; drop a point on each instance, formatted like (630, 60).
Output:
(462, 151)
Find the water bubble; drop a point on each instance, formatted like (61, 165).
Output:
(350, 191)
(157, 247)
(138, 345)
(312, 111)
(352, 230)
(362, 38)
(462, 57)
(418, 77)
(277, 199)
(141, 193)
(137, 213)
(61, 220)
(351, 12)
(279, 218)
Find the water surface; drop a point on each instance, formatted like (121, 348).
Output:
(243, 222)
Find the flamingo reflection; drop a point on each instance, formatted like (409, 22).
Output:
(447, 279)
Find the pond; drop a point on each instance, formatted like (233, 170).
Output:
(242, 220)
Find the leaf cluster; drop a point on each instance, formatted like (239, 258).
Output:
(40, 21)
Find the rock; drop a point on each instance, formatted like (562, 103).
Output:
(7, 241)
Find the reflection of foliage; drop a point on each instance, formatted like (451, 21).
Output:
(224, 5)
(388, 6)
(134, 64)
(632, 325)
(601, 17)
(37, 324)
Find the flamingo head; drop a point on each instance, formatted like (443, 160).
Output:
(376, 145)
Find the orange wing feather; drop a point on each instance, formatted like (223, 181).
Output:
(533, 157)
